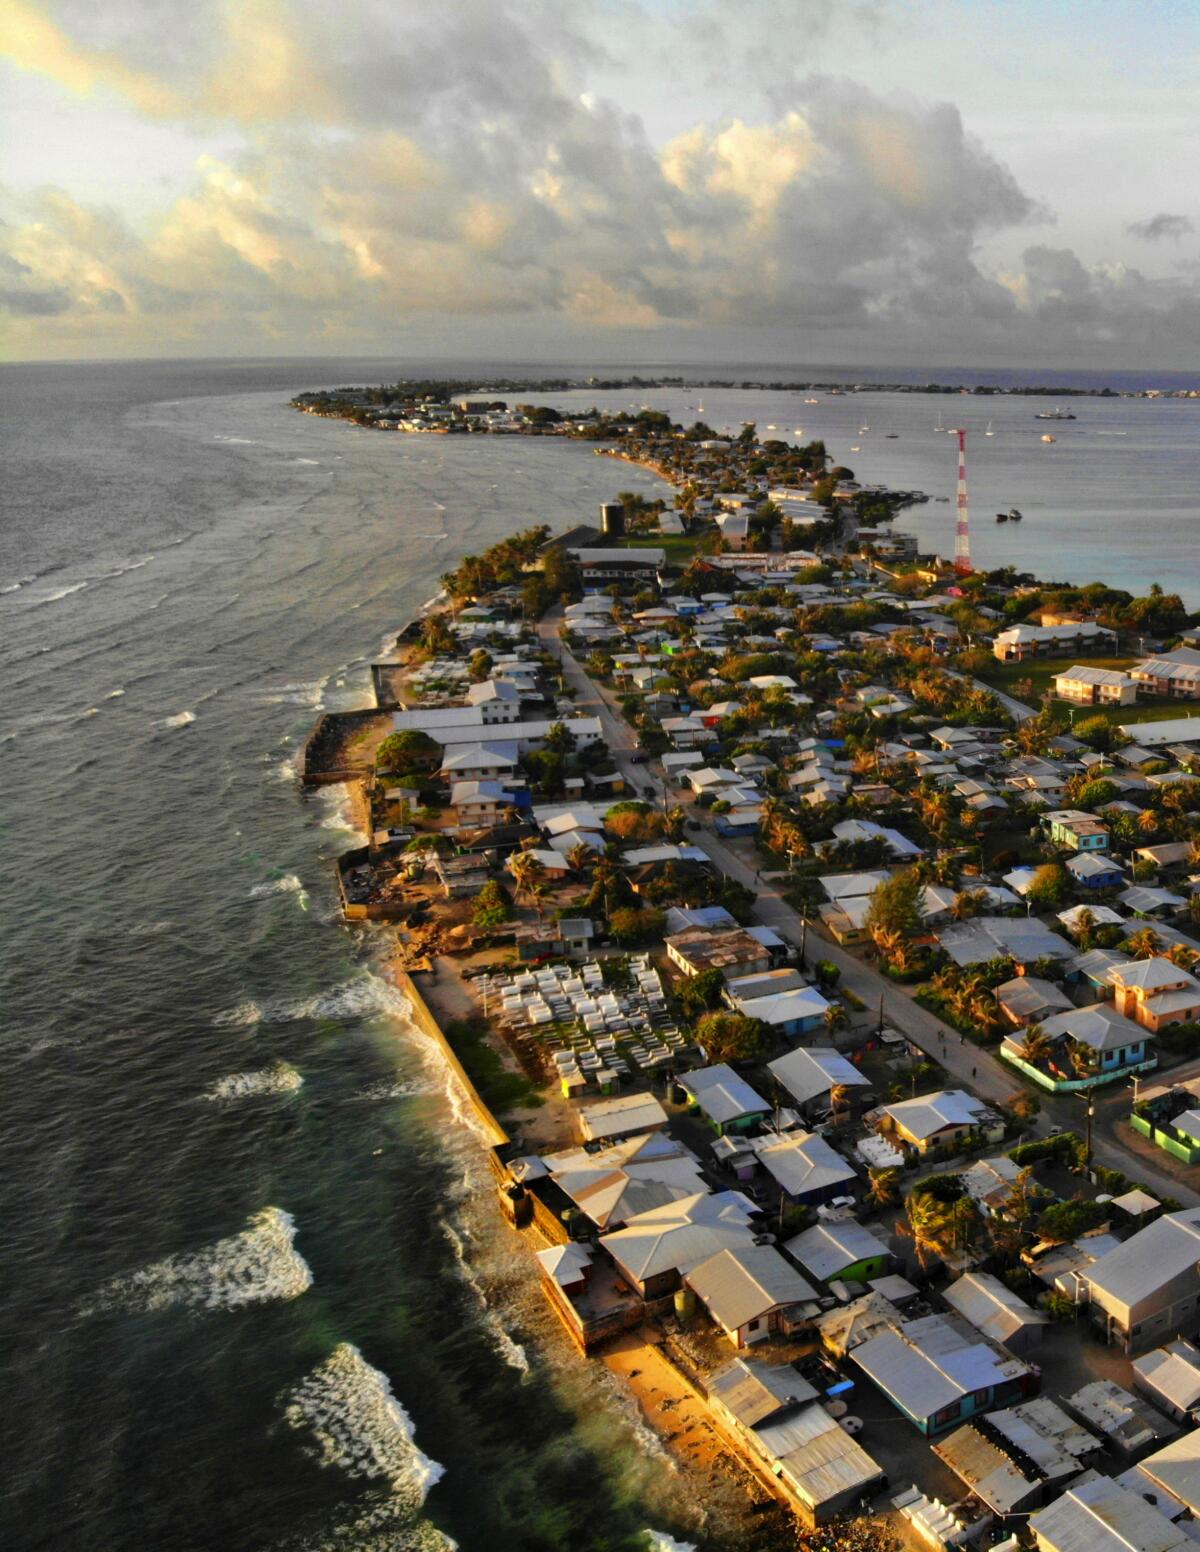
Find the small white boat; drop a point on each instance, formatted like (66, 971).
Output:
(1046, 437)
(797, 430)
(863, 429)
(989, 431)
(772, 428)
(812, 401)
(856, 449)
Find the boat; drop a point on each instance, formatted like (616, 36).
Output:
(989, 431)
(891, 436)
(940, 419)
(772, 428)
(798, 431)
(812, 401)
(1002, 517)
(1054, 414)
(1014, 514)
(1046, 437)
(861, 429)
(856, 449)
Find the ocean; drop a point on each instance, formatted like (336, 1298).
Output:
(256, 1291)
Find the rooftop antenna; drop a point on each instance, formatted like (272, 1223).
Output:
(962, 529)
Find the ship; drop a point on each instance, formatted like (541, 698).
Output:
(1054, 414)
(1014, 514)
(1046, 437)
(1002, 517)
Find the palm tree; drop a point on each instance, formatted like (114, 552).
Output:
(1036, 1044)
(529, 875)
(839, 1096)
(884, 1187)
(675, 823)
(1085, 926)
(1085, 1058)
(580, 857)
(925, 1225)
(1144, 944)
(1183, 956)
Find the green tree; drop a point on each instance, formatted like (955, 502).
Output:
(630, 926)
(700, 992)
(730, 1037)
(894, 916)
(1050, 886)
(492, 907)
(408, 750)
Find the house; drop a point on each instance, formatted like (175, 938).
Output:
(1028, 998)
(845, 1252)
(1118, 1042)
(1154, 735)
(990, 1183)
(569, 1265)
(733, 950)
(1023, 940)
(1171, 1475)
(1170, 1377)
(1174, 673)
(994, 1309)
(480, 802)
(937, 1120)
(938, 1372)
(1155, 992)
(1026, 641)
(1079, 831)
(810, 1075)
(1020, 1456)
(794, 1012)
(727, 1102)
(804, 1166)
(623, 1116)
(497, 699)
(656, 1248)
(1087, 686)
(479, 762)
(1098, 1515)
(773, 1412)
(1095, 872)
(617, 1183)
(1151, 904)
(1125, 1422)
(750, 1291)
(1148, 1289)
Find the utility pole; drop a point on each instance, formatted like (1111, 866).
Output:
(804, 938)
(881, 1015)
(1089, 1100)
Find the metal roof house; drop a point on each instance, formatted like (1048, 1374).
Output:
(933, 1120)
(1012, 1459)
(809, 1075)
(1170, 1377)
(938, 1373)
(994, 1309)
(1175, 1471)
(726, 1100)
(1148, 1289)
(845, 1251)
(623, 1116)
(750, 1291)
(656, 1248)
(1126, 1422)
(1101, 1516)
(806, 1168)
(771, 1408)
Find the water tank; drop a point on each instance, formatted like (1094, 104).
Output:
(612, 518)
(685, 1303)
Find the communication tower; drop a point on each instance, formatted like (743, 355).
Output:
(962, 527)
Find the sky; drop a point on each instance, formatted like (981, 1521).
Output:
(969, 182)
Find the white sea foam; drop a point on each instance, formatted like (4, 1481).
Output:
(355, 1423)
(512, 1352)
(362, 996)
(258, 1266)
(180, 719)
(62, 592)
(289, 769)
(279, 1078)
(385, 1090)
(289, 884)
(112, 695)
(306, 693)
(245, 1014)
(92, 711)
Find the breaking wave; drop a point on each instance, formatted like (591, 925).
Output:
(180, 719)
(512, 1352)
(385, 1089)
(258, 1266)
(289, 884)
(279, 1078)
(362, 996)
(244, 1014)
(355, 1423)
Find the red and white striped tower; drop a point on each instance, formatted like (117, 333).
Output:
(962, 528)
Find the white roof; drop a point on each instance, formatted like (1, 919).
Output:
(805, 1074)
(1176, 1467)
(829, 1248)
(722, 1094)
(927, 1115)
(1100, 1516)
(1173, 1372)
(818, 1457)
(991, 1306)
(1152, 1257)
(742, 1283)
(927, 1364)
(624, 1113)
(802, 1002)
(803, 1162)
(681, 1235)
(1099, 1026)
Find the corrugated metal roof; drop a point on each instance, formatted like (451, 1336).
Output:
(804, 1164)
(818, 1457)
(926, 1364)
(1176, 1467)
(986, 1469)
(1155, 1255)
(753, 1391)
(829, 1248)
(1100, 1516)
(807, 1073)
(991, 1306)
(1120, 1416)
(722, 1094)
(1172, 1372)
(740, 1284)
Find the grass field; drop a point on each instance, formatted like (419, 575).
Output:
(1040, 673)
(678, 548)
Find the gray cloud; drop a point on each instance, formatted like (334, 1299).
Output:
(401, 161)
(1160, 226)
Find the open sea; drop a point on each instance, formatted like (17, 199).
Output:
(254, 1291)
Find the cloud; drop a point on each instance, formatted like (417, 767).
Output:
(1160, 226)
(399, 161)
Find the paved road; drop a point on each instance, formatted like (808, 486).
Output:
(969, 1066)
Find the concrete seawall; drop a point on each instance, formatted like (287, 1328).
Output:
(428, 1025)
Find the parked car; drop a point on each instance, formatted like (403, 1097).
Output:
(638, 757)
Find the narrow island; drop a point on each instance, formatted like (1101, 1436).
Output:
(813, 928)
